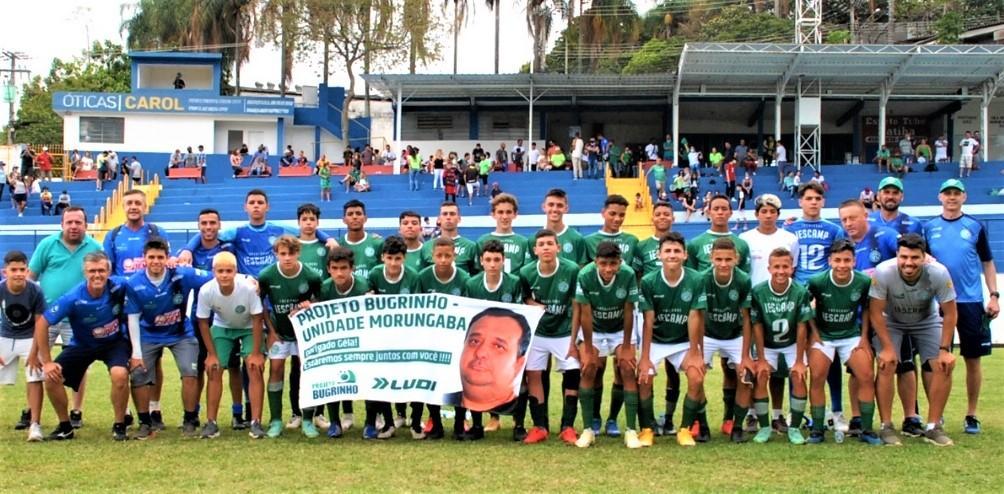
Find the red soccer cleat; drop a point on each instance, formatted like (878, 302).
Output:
(536, 435)
(727, 427)
(568, 435)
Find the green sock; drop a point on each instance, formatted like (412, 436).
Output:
(818, 417)
(762, 408)
(308, 413)
(646, 412)
(275, 402)
(729, 401)
(867, 415)
(739, 414)
(586, 401)
(797, 410)
(597, 402)
(691, 409)
(616, 400)
(569, 407)
(631, 405)
(702, 413)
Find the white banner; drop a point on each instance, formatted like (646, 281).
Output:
(429, 348)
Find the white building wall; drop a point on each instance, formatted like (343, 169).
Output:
(255, 133)
(155, 133)
(969, 119)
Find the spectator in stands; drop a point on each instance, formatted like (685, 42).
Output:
(244, 150)
(867, 197)
(387, 157)
(477, 153)
(716, 159)
(727, 152)
(796, 182)
(20, 195)
(781, 158)
(496, 189)
(906, 149)
(679, 186)
(351, 178)
(977, 149)
(136, 171)
(46, 201)
(924, 151)
(576, 148)
(3, 173)
(689, 206)
(941, 149)
(62, 203)
(450, 179)
(729, 175)
(235, 162)
(44, 163)
(554, 158)
(200, 162)
(74, 162)
(749, 160)
(694, 160)
(190, 159)
(592, 158)
(362, 182)
(86, 163)
(533, 157)
(461, 167)
(741, 150)
(99, 181)
(471, 179)
(438, 165)
(898, 165)
(501, 158)
(177, 159)
(651, 150)
(882, 158)
(367, 155)
(324, 173)
(768, 151)
(179, 83)
(27, 161)
(788, 184)
(484, 169)
(113, 165)
(288, 157)
(818, 178)
(259, 161)
(301, 159)
(967, 155)
(747, 185)
(9, 180)
(518, 154)
(614, 153)
(428, 229)
(414, 161)
(628, 160)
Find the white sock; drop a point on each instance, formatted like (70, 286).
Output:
(930, 426)
(154, 406)
(776, 412)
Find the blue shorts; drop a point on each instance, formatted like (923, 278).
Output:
(76, 359)
(974, 339)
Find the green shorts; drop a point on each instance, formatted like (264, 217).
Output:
(225, 338)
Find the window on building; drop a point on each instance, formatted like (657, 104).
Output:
(106, 130)
(435, 121)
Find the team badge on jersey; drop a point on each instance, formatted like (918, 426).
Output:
(116, 309)
(562, 286)
(621, 293)
(875, 256)
(240, 309)
(686, 296)
(567, 248)
(855, 295)
(271, 239)
(733, 295)
(177, 299)
(370, 252)
(965, 234)
(303, 288)
(322, 251)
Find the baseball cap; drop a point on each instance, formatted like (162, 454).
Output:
(953, 183)
(891, 182)
(768, 200)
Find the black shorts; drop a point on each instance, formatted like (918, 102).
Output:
(20, 197)
(974, 339)
(76, 359)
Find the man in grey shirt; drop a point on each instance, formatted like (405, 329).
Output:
(903, 295)
(906, 149)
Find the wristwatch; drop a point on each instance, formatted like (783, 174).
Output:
(995, 294)
(947, 349)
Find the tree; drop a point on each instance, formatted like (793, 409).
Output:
(539, 18)
(657, 55)
(734, 24)
(281, 25)
(104, 68)
(420, 26)
(459, 19)
(495, 5)
(949, 27)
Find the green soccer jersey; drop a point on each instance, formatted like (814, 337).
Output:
(626, 241)
(314, 255)
(517, 249)
(646, 256)
(331, 292)
(429, 283)
(671, 304)
(367, 252)
(838, 307)
(572, 246)
(509, 291)
(284, 293)
(780, 313)
(413, 258)
(555, 291)
(723, 319)
(606, 301)
(405, 284)
(465, 250)
(699, 250)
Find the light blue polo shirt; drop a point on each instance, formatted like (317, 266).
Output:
(57, 268)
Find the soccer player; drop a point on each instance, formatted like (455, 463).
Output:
(549, 282)
(571, 245)
(901, 304)
(94, 309)
(442, 277)
(124, 244)
(699, 248)
(313, 253)
(233, 306)
(960, 243)
(517, 248)
(673, 301)
(155, 304)
(494, 284)
(872, 243)
(728, 331)
(766, 237)
(466, 251)
(287, 286)
(22, 305)
(841, 299)
(780, 311)
(606, 293)
(410, 230)
(365, 245)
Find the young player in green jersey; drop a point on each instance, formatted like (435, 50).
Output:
(549, 282)
(517, 248)
(673, 302)
(466, 251)
(313, 253)
(699, 248)
(288, 286)
(841, 296)
(606, 293)
(780, 312)
(571, 244)
(410, 229)
(442, 277)
(728, 331)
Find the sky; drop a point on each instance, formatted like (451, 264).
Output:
(69, 26)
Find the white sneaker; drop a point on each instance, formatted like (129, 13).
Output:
(386, 434)
(294, 422)
(380, 422)
(398, 422)
(587, 438)
(631, 439)
(840, 423)
(321, 422)
(35, 433)
(347, 422)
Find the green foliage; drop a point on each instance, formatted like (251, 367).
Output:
(838, 37)
(105, 68)
(949, 27)
(737, 23)
(658, 55)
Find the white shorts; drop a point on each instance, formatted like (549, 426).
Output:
(606, 343)
(674, 353)
(61, 329)
(281, 350)
(789, 353)
(11, 352)
(732, 350)
(966, 160)
(841, 348)
(542, 349)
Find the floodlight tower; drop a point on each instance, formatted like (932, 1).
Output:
(808, 106)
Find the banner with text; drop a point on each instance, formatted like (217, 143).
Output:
(429, 348)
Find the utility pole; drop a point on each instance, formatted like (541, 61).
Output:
(11, 94)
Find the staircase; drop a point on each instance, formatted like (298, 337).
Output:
(638, 221)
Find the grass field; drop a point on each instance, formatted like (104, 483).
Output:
(235, 463)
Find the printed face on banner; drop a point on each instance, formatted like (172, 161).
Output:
(493, 358)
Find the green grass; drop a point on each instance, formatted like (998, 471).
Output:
(235, 463)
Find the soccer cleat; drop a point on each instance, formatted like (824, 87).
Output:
(889, 436)
(839, 423)
(321, 422)
(536, 435)
(816, 437)
(751, 424)
(795, 436)
(189, 428)
(309, 429)
(780, 425)
(493, 424)
(416, 435)
(475, 434)
(210, 430)
(436, 433)
(274, 429)
(427, 428)
(595, 426)
(854, 427)
(144, 432)
(631, 439)
(568, 435)
(685, 438)
(348, 420)
(129, 420)
(334, 431)
(294, 422)
(669, 428)
(937, 436)
(519, 433)
(119, 432)
(24, 422)
(370, 432)
(255, 431)
(76, 419)
(870, 438)
(238, 423)
(972, 425)
(703, 434)
(727, 427)
(156, 421)
(387, 432)
(379, 423)
(738, 436)
(35, 433)
(611, 429)
(586, 439)
(763, 435)
(61, 434)
(912, 427)
(695, 429)
(646, 437)
(399, 422)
